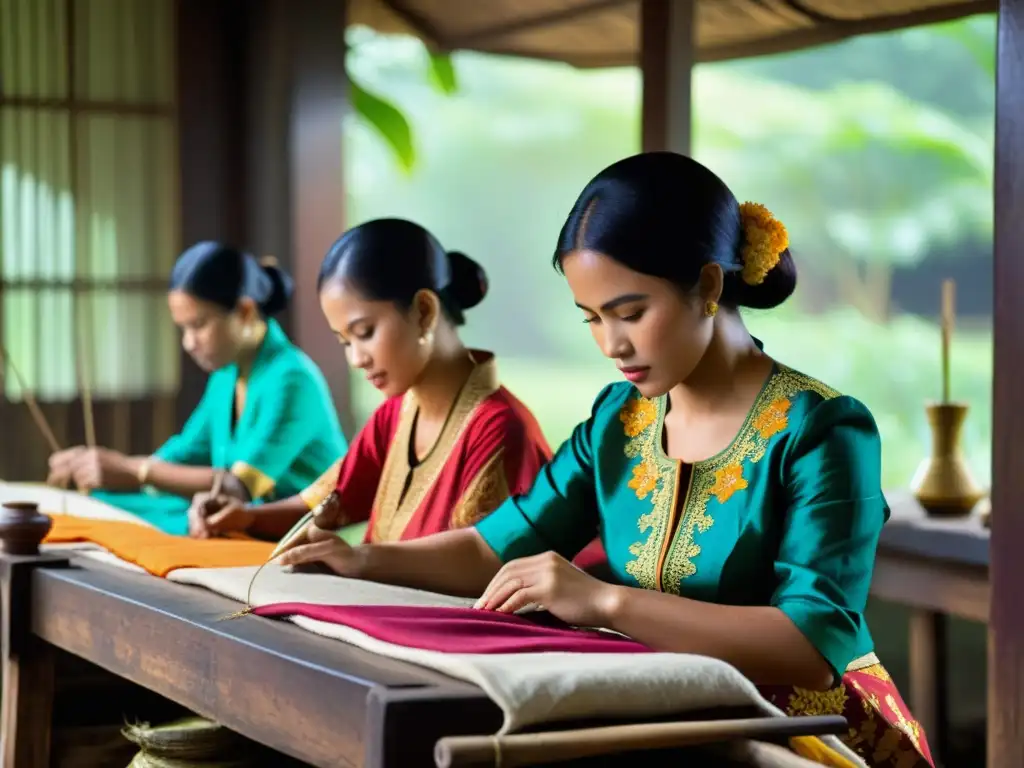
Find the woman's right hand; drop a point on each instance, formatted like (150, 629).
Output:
(326, 547)
(62, 466)
(210, 515)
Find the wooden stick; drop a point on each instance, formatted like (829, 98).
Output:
(218, 482)
(84, 380)
(948, 320)
(561, 746)
(37, 413)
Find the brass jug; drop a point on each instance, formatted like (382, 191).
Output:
(943, 484)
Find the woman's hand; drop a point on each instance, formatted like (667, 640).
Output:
(324, 546)
(62, 464)
(103, 468)
(551, 581)
(211, 515)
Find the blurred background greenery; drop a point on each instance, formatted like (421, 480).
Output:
(876, 152)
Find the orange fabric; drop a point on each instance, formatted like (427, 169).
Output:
(156, 551)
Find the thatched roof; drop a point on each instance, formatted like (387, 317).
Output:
(595, 33)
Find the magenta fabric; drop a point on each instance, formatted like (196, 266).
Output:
(460, 630)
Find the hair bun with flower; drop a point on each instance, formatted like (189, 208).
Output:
(765, 239)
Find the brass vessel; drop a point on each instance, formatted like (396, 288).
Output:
(943, 484)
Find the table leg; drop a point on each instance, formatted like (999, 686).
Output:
(928, 678)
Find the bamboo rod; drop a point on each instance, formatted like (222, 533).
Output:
(948, 323)
(37, 413)
(85, 377)
(561, 746)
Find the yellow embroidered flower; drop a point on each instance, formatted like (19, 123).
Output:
(645, 478)
(773, 419)
(638, 414)
(805, 702)
(877, 671)
(728, 480)
(765, 240)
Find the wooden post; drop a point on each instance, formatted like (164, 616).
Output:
(263, 92)
(1006, 625)
(26, 662)
(667, 55)
(298, 97)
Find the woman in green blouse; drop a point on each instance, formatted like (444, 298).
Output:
(266, 421)
(739, 501)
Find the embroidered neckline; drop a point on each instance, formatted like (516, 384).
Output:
(667, 554)
(395, 505)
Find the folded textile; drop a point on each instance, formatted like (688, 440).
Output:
(157, 552)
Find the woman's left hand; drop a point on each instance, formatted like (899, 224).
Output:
(104, 468)
(551, 581)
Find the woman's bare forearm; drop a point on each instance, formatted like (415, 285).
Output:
(453, 563)
(274, 520)
(760, 641)
(185, 480)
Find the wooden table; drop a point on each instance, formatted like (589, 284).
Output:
(315, 699)
(318, 700)
(937, 568)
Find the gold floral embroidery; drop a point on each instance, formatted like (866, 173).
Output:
(887, 748)
(911, 728)
(728, 480)
(645, 478)
(642, 419)
(773, 419)
(638, 414)
(876, 671)
(806, 702)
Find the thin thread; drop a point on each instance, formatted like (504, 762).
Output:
(497, 751)
(299, 529)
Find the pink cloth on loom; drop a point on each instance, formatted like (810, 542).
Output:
(460, 630)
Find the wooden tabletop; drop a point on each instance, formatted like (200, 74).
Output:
(910, 531)
(933, 565)
(318, 700)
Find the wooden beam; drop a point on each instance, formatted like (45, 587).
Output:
(667, 55)
(1006, 628)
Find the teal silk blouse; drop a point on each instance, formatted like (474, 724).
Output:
(287, 435)
(788, 515)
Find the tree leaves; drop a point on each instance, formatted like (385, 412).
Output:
(388, 121)
(442, 73)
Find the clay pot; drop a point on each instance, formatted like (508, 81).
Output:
(22, 527)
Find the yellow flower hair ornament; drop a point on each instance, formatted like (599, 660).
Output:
(765, 238)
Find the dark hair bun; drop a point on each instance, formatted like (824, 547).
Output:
(281, 289)
(468, 280)
(778, 285)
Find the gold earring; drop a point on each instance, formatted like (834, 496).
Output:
(710, 308)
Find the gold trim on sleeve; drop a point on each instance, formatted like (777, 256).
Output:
(484, 494)
(322, 486)
(258, 484)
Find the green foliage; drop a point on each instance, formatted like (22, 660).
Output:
(442, 73)
(388, 121)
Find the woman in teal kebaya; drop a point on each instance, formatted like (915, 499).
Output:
(739, 501)
(266, 422)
